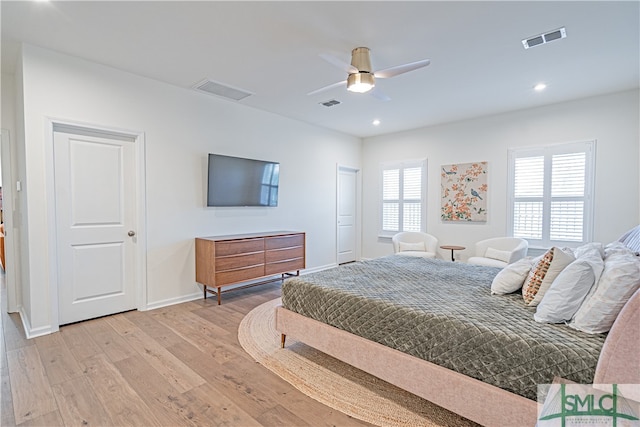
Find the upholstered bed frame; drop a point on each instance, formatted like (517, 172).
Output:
(619, 363)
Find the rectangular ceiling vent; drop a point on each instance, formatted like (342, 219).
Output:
(330, 103)
(219, 89)
(544, 38)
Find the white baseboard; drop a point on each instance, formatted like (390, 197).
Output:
(173, 301)
(195, 296)
(30, 332)
(316, 269)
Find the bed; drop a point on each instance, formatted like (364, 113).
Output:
(447, 339)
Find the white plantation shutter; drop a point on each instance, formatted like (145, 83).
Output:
(528, 192)
(567, 196)
(529, 179)
(403, 198)
(412, 198)
(391, 199)
(550, 193)
(567, 175)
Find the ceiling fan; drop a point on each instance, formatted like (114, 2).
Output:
(361, 77)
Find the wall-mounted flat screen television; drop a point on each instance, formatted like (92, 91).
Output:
(236, 181)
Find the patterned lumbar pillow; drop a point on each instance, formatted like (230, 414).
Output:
(543, 274)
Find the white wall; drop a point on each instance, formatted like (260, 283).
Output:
(612, 120)
(180, 127)
(7, 97)
(11, 199)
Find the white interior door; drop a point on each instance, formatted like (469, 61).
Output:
(347, 200)
(95, 223)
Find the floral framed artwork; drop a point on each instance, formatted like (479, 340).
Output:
(464, 192)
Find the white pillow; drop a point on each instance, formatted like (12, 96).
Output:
(620, 279)
(588, 249)
(597, 264)
(593, 253)
(566, 293)
(617, 248)
(543, 273)
(412, 246)
(511, 278)
(497, 254)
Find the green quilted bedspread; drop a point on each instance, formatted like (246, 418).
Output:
(443, 312)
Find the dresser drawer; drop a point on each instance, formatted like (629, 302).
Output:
(284, 266)
(239, 275)
(224, 248)
(234, 262)
(280, 242)
(284, 254)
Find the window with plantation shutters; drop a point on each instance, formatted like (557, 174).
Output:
(403, 188)
(550, 192)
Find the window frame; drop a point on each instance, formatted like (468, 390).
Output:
(547, 152)
(402, 165)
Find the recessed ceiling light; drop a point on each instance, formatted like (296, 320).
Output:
(540, 87)
(376, 122)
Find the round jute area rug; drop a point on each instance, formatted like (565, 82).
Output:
(334, 383)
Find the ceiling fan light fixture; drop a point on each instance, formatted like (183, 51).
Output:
(361, 77)
(360, 82)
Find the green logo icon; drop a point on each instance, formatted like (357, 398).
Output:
(578, 404)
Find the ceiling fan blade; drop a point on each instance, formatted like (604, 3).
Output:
(400, 69)
(331, 86)
(339, 63)
(377, 93)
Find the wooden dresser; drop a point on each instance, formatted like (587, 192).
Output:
(228, 260)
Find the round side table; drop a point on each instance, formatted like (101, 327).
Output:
(453, 248)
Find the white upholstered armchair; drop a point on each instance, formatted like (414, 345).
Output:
(499, 251)
(414, 243)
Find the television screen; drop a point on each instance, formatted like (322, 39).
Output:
(235, 181)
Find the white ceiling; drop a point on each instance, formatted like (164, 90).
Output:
(271, 49)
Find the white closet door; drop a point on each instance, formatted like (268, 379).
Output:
(347, 195)
(95, 223)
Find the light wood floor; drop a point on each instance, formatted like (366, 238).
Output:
(176, 366)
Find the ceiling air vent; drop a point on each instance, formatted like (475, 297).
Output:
(330, 103)
(544, 38)
(219, 89)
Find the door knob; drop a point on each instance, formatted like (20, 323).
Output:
(131, 233)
